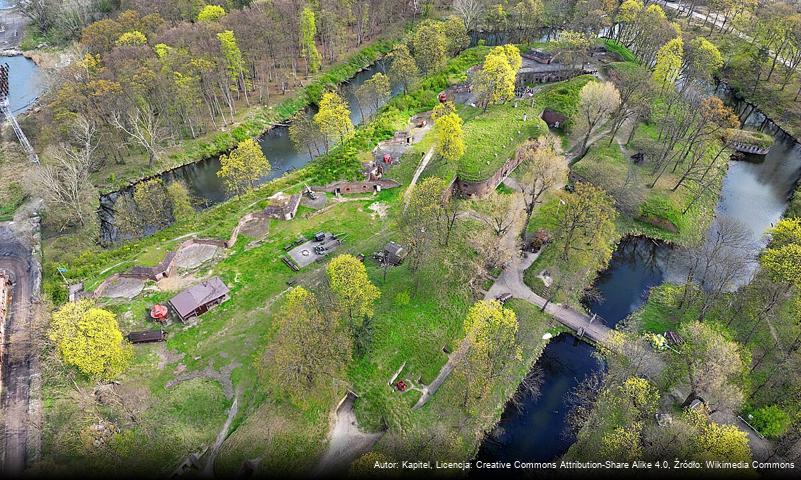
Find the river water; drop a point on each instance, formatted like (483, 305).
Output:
(25, 82)
(201, 177)
(754, 192)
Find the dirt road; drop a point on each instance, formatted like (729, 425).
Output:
(17, 359)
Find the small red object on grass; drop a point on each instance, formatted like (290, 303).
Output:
(158, 312)
(443, 97)
(401, 385)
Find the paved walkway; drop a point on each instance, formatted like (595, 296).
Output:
(423, 164)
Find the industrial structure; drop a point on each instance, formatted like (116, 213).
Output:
(6, 113)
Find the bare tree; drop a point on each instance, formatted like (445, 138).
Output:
(469, 11)
(716, 264)
(144, 128)
(543, 168)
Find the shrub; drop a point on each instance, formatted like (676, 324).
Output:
(771, 421)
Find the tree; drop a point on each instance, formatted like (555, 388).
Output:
(572, 48)
(495, 83)
(633, 82)
(305, 134)
(669, 61)
(469, 11)
(210, 13)
(701, 59)
(144, 127)
(151, 201)
(89, 339)
(402, 67)
(64, 182)
(310, 346)
(308, 30)
(430, 47)
(491, 338)
(233, 60)
(597, 102)
(499, 212)
(527, 16)
(180, 201)
(711, 364)
(375, 89)
(354, 293)
(782, 259)
(423, 221)
(243, 166)
(714, 441)
(449, 137)
(543, 168)
(456, 34)
(586, 223)
(333, 118)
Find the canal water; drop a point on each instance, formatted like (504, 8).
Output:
(201, 177)
(25, 83)
(535, 431)
(755, 193)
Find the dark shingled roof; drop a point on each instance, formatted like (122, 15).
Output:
(198, 295)
(147, 336)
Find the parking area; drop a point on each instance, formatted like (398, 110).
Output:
(309, 252)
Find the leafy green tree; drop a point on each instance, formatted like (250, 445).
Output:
(180, 201)
(402, 67)
(669, 60)
(430, 46)
(89, 339)
(701, 60)
(354, 293)
(243, 166)
(376, 90)
(711, 365)
(771, 421)
(714, 441)
(782, 259)
(456, 34)
(308, 30)
(151, 201)
(586, 223)
(449, 137)
(210, 13)
(309, 348)
(333, 118)
(233, 60)
(491, 338)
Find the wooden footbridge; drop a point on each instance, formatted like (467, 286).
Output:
(749, 148)
(6, 113)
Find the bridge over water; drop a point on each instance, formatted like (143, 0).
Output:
(6, 113)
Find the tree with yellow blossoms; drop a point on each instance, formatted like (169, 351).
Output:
(243, 166)
(333, 118)
(449, 136)
(88, 338)
(495, 83)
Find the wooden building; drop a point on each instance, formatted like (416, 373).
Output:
(198, 299)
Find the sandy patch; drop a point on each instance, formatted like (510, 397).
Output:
(177, 282)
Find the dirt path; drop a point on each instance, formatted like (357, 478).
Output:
(18, 361)
(347, 442)
(423, 164)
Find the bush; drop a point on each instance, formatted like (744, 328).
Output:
(771, 421)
